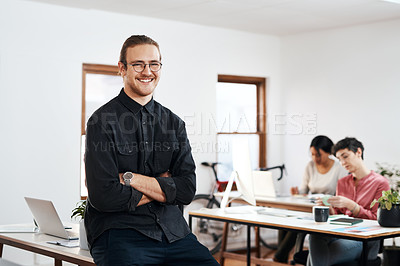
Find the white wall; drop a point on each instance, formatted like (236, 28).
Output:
(350, 79)
(42, 49)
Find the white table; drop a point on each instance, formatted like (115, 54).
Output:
(36, 242)
(368, 230)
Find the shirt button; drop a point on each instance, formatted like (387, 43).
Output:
(147, 143)
(144, 122)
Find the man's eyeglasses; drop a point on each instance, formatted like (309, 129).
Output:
(139, 67)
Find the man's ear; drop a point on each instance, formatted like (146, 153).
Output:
(121, 69)
(359, 152)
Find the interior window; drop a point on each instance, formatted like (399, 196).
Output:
(100, 84)
(241, 113)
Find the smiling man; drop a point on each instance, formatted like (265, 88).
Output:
(139, 168)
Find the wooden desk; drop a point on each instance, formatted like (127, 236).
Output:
(36, 242)
(251, 218)
(302, 204)
(294, 203)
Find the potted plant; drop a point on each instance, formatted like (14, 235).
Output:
(389, 216)
(389, 202)
(79, 213)
(388, 211)
(389, 208)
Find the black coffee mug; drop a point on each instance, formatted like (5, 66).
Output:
(321, 213)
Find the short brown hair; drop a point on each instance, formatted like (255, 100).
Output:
(133, 41)
(351, 144)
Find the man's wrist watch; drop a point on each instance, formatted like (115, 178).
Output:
(127, 178)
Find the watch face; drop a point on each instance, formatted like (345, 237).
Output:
(127, 176)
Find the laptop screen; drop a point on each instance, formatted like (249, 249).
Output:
(263, 184)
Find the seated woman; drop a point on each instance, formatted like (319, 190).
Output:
(321, 176)
(322, 172)
(354, 194)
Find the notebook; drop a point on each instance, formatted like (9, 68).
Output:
(47, 218)
(346, 221)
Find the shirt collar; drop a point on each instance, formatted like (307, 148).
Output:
(133, 105)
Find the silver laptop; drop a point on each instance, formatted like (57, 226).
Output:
(47, 219)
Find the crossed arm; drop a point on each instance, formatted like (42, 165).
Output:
(148, 186)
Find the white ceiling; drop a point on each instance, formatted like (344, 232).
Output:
(275, 17)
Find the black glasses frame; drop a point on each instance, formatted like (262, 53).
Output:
(135, 65)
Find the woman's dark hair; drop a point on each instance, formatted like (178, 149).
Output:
(322, 142)
(349, 143)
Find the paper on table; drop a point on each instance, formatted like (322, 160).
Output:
(242, 209)
(325, 200)
(357, 229)
(279, 212)
(316, 195)
(65, 243)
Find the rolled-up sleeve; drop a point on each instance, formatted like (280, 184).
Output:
(167, 185)
(106, 193)
(181, 187)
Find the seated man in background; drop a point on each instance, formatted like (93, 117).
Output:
(354, 194)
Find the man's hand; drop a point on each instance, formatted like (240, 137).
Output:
(166, 174)
(341, 202)
(121, 179)
(144, 200)
(319, 202)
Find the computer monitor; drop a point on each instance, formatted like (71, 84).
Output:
(264, 185)
(242, 173)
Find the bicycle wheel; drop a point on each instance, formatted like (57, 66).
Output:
(208, 232)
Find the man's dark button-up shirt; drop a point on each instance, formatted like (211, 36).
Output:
(124, 136)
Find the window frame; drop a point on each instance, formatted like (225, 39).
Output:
(92, 69)
(261, 112)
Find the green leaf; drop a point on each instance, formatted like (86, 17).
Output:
(79, 210)
(373, 203)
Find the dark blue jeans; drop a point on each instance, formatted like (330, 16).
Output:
(125, 247)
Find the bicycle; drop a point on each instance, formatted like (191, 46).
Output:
(209, 232)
